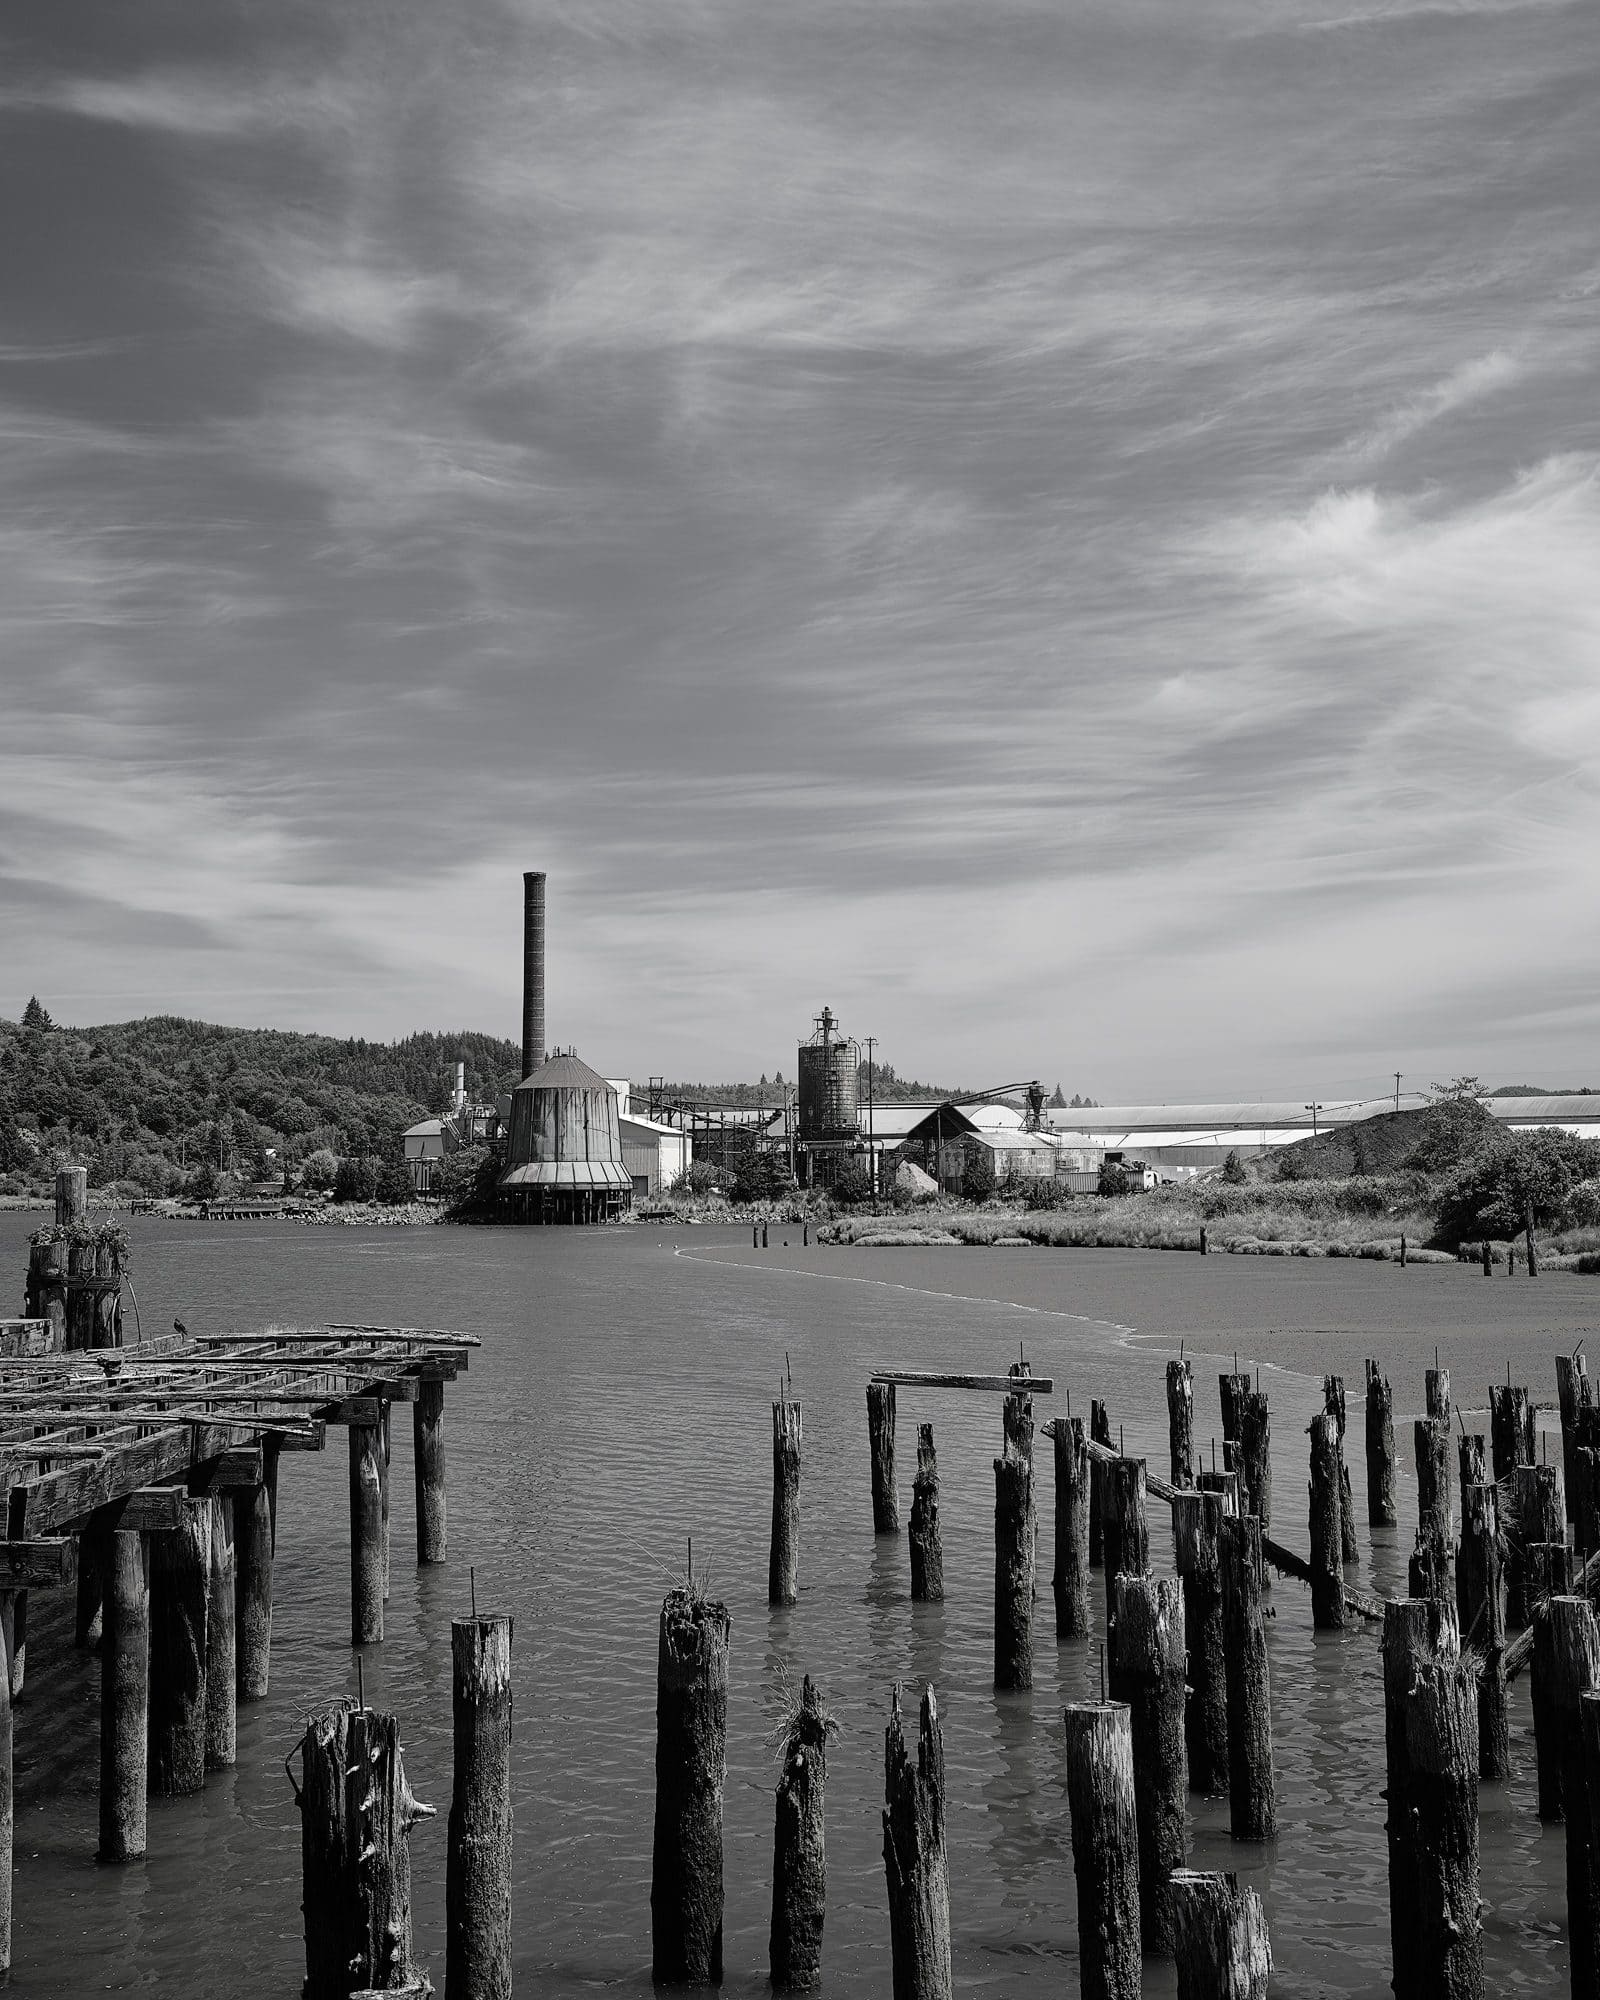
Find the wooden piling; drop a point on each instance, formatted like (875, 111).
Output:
(7, 1818)
(1016, 1413)
(1511, 1433)
(880, 1442)
(1589, 1731)
(783, 1560)
(1381, 1509)
(478, 1838)
(125, 1697)
(1126, 1530)
(914, 1859)
(14, 1625)
(1472, 1451)
(691, 1764)
(1442, 1745)
(1435, 1522)
(1544, 1674)
(1417, 1632)
(88, 1624)
(1099, 1433)
(366, 1534)
(1070, 1581)
(255, 1510)
(385, 1452)
(924, 1536)
(1196, 1532)
(1333, 1399)
(1223, 1950)
(1252, 1791)
(1180, 1420)
(222, 1738)
(1255, 1454)
(180, 1590)
(1327, 1570)
(1574, 1657)
(1148, 1674)
(1481, 1608)
(356, 1815)
(427, 1458)
(1231, 1392)
(1538, 1517)
(1573, 1392)
(799, 1850)
(1013, 1572)
(1105, 1848)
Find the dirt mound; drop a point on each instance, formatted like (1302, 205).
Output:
(1433, 1140)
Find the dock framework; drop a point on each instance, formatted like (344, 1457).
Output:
(147, 1479)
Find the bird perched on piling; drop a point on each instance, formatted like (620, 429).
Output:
(179, 1327)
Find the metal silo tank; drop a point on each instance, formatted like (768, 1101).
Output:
(830, 1097)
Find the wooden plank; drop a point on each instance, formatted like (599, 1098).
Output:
(313, 1437)
(25, 1337)
(55, 1499)
(443, 1333)
(151, 1510)
(48, 1564)
(356, 1410)
(924, 1378)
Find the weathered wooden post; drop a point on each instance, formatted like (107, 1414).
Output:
(799, 1850)
(914, 1858)
(1417, 1631)
(1127, 1531)
(478, 1851)
(255, 1515)
(385, 1453)
(92, 1555)
(1255, 1454)
(1381, 1509)
(180, 1590)
(1327, 1571)
(7, 1819)
(427, 1459)
(923, 1535)
(222, 1727)
(125, 1697)
(356, 1816)
(1550, 1563)
(1481, 1607)
(1472, 1450)
(1071, 1579)
(1589, 1730)
(880, 1440)
(1147, 1674)
(1105, 1848)
(1013, 1572)
(1434, 1515)
(1252, 1790)
(1231, 1392)
(783, 1561)
(1016, 1413)
(1180, 1420)
(1099, 1433)
(1196, 1532)
(1574, 1392)
(366, 1534)
(1334, 1402)
(1538, 1517)
(1511, 1437)
(14, 1623)
(1223, 1950)
(72, 1196)
(1442, 1746)
(1574, 1658)
(691, 1763)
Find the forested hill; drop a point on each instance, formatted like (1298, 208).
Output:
(146, 1101)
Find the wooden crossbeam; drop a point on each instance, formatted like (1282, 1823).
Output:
(239, 1467)
(926, 1378)
(1281, 1559)
(47, 1564)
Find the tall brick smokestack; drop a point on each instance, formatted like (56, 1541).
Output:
(532, 971)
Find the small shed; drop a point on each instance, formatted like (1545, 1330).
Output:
(653, 1153)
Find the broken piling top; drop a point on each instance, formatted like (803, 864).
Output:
(915, 1866)
(694, 1639)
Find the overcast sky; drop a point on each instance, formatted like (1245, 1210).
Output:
(1069, 532)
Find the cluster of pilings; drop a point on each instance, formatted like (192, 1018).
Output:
(75, 1272)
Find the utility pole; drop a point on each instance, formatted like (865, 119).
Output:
(1314, 1109)
(1397, 1090)
(872, 1157)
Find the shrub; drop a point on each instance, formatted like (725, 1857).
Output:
(357, 1178)
(978, 1179)
(319, 1170)
(1233, 1170)
(699, 1177)
(854, 1185)
(1493, 1193)
(1113, 1180)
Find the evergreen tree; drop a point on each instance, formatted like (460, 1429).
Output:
(34, 1016)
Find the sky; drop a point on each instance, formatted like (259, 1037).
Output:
(1070, 534)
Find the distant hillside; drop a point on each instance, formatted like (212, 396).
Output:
(145, 1102)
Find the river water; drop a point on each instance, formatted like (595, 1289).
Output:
(620, 1406)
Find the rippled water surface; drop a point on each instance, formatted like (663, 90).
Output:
(621, 1404)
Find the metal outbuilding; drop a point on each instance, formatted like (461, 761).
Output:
(564, 1153)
